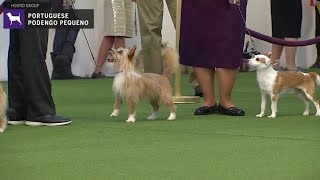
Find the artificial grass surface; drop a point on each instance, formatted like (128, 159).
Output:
(96, 146)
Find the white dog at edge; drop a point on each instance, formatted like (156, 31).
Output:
(274, 83)
(14, 18)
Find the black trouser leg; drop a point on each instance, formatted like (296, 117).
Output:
(58, 41)
(64, 41)
(63, 35)
(63, 47)
(68, 47)
(29, 86)
(63, 51)
(36, 80)
(16, 89)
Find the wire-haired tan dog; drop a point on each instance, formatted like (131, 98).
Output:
(274, 83)
(131, 86)
(3, 108)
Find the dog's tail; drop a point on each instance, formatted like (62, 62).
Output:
(315, 77)
(171, 58)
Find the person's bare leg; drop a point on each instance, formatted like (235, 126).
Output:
(119, 41)
(106, 44)
(205, 78)
(276, 53)
(291, 55)
(227, 78)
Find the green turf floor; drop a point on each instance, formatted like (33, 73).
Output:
(96, 146)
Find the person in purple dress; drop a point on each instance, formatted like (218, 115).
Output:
(211, 40)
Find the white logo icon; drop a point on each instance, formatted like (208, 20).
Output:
(13, 18)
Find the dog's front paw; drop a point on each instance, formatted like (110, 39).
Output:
(131, 119)
(115, 113)
(172, 116)
(153, 116)
(318, 114)
(306, 113)
(260, 115)
(1, 130)
(272, 116)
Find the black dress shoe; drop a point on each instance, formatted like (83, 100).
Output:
(49, 120)
(205, 110)
(232, 111)
(198, 91)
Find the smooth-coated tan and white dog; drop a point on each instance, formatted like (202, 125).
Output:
(274, 83)
(132, 86)
(3, 108)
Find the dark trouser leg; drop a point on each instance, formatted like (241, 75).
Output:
(63, 35)
(59, 38)
(16, 89)
(63, 51)
(36, 80)
(63, 47)
(68, 48)
(29, 81)
(61, 64)
(56, 5)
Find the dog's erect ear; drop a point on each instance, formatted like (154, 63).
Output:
(132, 51)
(268, 54)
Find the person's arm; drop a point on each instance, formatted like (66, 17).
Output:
(2, 6)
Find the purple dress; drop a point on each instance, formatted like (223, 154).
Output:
(212, 33)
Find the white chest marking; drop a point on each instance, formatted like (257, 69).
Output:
(266, 80)
(120, 79)
(118, 84)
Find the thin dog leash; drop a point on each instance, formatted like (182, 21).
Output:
(85, 36)
(237, 3)
(135, 18)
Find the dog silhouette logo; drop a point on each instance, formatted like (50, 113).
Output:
(13, 19)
